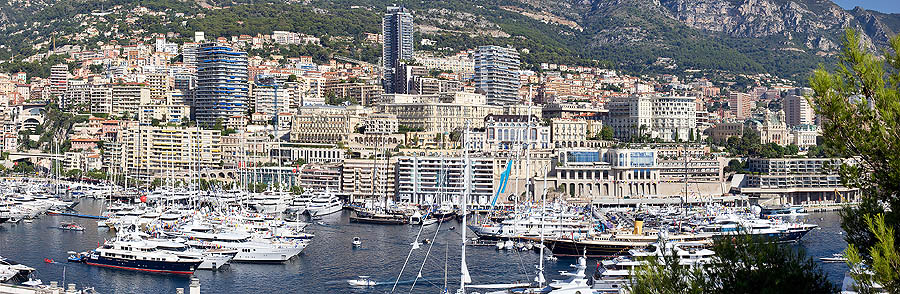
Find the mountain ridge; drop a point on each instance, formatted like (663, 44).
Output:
(783, 37)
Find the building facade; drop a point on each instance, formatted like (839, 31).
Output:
(397, 28)
(222, 84)
(497, 74)
(437, 180)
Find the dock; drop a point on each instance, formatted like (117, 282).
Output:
(100, 217)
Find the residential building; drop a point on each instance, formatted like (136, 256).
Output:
(568, 133)
(369, 180)
(271, 99)
(797, 111)
(741, 104)
(149, 152)
(667, 118)
(322, 128)
(437, 180)
(363, 93)
(497, 74)
(59, 80)
(127, 98)
(797, 180)
(321, 177)
(397, 28)
(380, 124)
(442, 113)
(222, 84)
(515, 132)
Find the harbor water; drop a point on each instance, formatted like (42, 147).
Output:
(328, 262)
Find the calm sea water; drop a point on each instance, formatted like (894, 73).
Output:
(327, 263)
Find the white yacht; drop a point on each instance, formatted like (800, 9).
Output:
(248, 250)
(324, 203)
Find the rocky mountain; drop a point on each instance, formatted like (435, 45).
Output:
(783, 37)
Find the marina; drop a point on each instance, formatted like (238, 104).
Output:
(338, 255)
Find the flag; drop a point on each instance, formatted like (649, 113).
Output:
(504, 177)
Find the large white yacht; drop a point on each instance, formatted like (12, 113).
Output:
(324, 203)
(248, 250)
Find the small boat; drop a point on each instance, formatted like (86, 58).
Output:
(70, 227)
(501, 245)
(363, 281)
(356, 242)
(837, 257)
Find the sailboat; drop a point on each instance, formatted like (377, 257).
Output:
(379, 215)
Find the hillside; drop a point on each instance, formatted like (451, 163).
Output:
(782, 37)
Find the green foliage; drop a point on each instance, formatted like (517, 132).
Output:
(735, 166)
(331, 99)
(745, 264)
(884, 259)
(860, 105)
(606, 133)
(40, 68)
(23, 167)
(742, 265)
(666, 276)
(403, 129)
(748, 145)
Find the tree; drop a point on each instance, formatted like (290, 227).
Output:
(606, 133)
(885, 259)
(741, 265)
(745, 264)
(735, 165)
(666, 276)
(860, 105)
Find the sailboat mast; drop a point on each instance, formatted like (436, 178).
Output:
(464, 271)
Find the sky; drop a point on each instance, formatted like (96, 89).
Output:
(886, 6)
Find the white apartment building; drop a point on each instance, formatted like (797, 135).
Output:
(160, 84)
(324, 125)
(380, 124)
(460, 63)
(437, 180)
(149, 152)
(127, 98)
(568, 133)
(164, 113)
(666, 118)
(369, 180)
(515, 132)
(797, 111)
(441, 113)
(101, 99)
(497, 74)
(268, 101)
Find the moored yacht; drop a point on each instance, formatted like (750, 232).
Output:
(324, 203)
(130, 252)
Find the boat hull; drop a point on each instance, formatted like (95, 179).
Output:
(561, 247)
(181, 268)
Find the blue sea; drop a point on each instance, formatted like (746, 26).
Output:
(328, 262)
